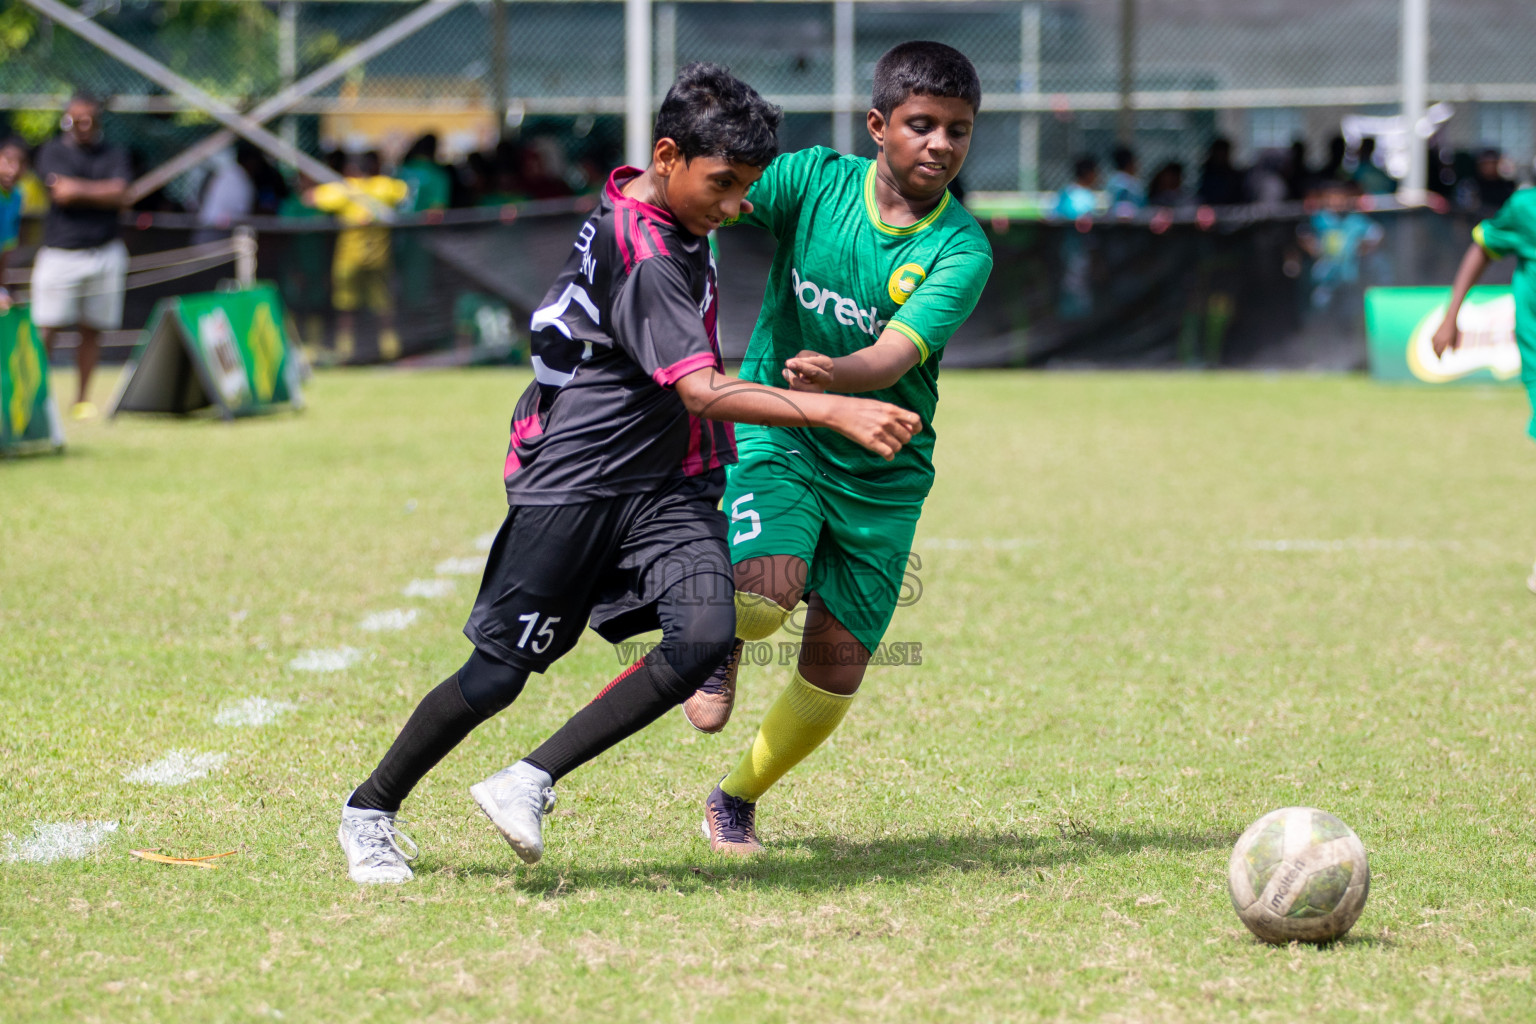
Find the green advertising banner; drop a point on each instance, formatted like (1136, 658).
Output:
(29, 419)
(1401, 323)
(230, 350)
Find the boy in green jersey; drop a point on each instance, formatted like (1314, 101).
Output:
(1510, 232)
(876, 267)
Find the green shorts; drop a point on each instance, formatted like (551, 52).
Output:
(857, 550)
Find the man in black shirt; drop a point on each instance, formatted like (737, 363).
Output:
(81, 269)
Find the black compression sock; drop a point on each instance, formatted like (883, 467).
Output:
(642, 694)
(439, 723)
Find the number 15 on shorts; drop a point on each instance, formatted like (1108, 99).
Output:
(543, 638)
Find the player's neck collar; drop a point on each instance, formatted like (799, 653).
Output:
(872, 208)
(615, 192)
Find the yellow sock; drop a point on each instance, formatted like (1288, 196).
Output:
(758, 617)
(344, 346)
(797, 723)
(389, 344)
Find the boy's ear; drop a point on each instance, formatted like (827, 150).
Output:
(877, 125)
(665, 157)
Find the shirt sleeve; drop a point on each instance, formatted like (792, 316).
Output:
(331, 196)
(776, 196)
(943, 300)
(1511, 231)
(657, 322)
(44, 163)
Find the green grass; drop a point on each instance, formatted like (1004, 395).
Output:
(1117, 677)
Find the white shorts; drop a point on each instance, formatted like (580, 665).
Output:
(80, 287)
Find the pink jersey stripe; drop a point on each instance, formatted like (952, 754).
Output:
(693, 462)
(670, 375)
(727, 451)
(619, 234)
(521, 430)
(661, 247)
(642, 246)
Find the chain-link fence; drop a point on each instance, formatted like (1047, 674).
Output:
(1061, 77)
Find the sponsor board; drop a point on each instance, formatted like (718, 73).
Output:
(231, 350)
(1401, 323)
(29, 418)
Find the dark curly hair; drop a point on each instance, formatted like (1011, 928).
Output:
(710, 112)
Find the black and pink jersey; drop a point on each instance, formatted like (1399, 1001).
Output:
(632, 312)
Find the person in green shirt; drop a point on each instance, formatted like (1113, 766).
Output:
(430, 189)
(1510, 232)
(876, 267)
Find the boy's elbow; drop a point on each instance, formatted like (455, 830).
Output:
(694, 392)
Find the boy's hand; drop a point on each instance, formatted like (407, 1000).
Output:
(808, 371)
(1447, 337)
(879, 426)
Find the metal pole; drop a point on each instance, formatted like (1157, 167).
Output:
(71, 19)
(1124, 119)
(1029, 84)
(288, 59)
(499, 65)
(245, 255)
(1415, 78)
(313, 82)
(842, 76)
(637, 82)
(666, 47)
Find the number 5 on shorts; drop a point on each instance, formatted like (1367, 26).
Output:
(546, 635)
(745, 515)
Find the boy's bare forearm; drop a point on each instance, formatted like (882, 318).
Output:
(1471, 270)
(715, 396)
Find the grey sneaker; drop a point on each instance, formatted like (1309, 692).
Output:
(516, 800)
(372, 845)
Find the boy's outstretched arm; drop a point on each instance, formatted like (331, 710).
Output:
(871, 368)
(879, 426)
(1477, 260)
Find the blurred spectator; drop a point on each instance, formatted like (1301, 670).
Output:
(227, 195)
(13, 161)
(267, 182)
(1336, 237)
(1369, 176)
(428, 182)
(1333, 167)
(1167, 186)
(1221, 184)
(538, 179)
(361, 268)
(1267, 181)
(1079, 198)
(1298, 176)
(430, 189)
(1491, 184)
(1125, 192)
(80, 272)
(301, 274)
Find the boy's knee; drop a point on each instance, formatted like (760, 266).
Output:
(488, 686)
(699, 645)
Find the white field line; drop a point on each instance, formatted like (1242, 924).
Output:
(395, 618)
(969, 543)
(177, 768)
(439, 586)
(1307, 545)
(57, 840)
(326, 661)
(252, 712)
(461, 567)
(485, 540)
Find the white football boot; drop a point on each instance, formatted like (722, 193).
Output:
(516, 800)
(372, 845)
(1530, 581)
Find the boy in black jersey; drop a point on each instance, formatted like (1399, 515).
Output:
(613, 473)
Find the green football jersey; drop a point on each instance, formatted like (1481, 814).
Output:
(1512, 232)
(840, 277)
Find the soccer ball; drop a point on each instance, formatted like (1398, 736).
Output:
(1298, 875)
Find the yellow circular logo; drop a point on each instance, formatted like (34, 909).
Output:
(904, 282)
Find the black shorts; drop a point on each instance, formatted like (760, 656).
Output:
(555, 567)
